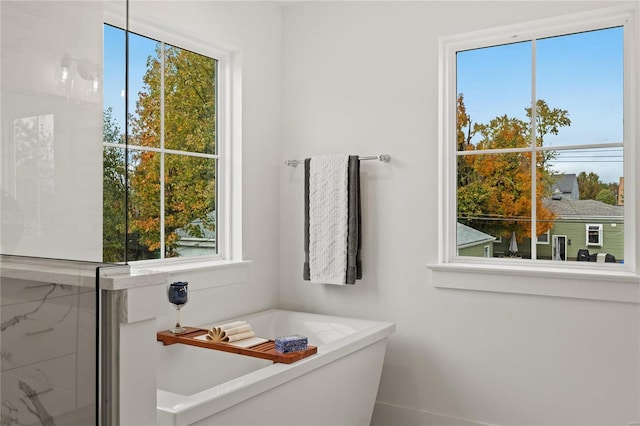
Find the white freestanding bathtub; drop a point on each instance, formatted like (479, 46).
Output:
(336, 386)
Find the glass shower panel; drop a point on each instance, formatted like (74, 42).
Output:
(51, 208)
(51, 129)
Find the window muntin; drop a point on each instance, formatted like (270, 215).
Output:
(493, 166)
(172, 150)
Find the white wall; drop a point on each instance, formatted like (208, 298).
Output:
(362, 77)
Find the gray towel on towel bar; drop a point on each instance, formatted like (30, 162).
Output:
(306, 273)
(354, 237)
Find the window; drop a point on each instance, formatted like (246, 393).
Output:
(543, 238)
(594, 235)
(614, 279)
(533, 135)
(172, 151)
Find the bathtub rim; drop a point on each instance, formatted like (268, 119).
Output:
(187, 409)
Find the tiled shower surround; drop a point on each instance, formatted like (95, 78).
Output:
(48, 347)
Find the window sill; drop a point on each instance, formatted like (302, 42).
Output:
(201, 274)
(591, 284)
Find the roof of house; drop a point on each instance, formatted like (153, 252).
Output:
(566, 186)
(583, 208)
(467, 236)
(565, 182)
(207, 233)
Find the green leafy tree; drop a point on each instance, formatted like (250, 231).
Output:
(589, 185)
(494, 190)
(113, 192)
(614, 187)
(607, 196)
(592, 188)
(463, 131)
(548, 120)
(189, 125)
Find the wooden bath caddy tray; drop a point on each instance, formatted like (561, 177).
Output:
(264, 350)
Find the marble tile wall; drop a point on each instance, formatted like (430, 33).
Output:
(48, 353)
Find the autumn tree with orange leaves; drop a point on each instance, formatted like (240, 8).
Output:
(188, 182)
(494, 189)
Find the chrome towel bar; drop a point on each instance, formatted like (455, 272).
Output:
(382, 157)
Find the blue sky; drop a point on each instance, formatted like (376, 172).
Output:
(114, 69)
(581, 73)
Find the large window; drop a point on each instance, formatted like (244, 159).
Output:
(533, 137)
(160, 181)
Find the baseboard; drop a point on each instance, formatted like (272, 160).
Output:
(385, 414)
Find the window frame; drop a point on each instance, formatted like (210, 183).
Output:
(544, 242)
(599, 227)
(228, 138)
(450, 270)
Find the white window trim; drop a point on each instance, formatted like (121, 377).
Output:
(600, 234)
(229, 139)
(548, 234)
(563, 279)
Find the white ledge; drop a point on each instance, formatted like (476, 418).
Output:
(120, 277)
(188, 264)
(589, 283)
(201, 273)
(53, 271)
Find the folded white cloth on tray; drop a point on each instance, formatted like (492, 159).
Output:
(231, 332)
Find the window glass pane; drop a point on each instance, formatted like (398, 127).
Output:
(145, 70)
(114, 196)
(144, 206)
(600, 166)
(580, 196)
(114, 76)
(494, 88)
(582, 74)
(494, 199)
(189, 101)
(572, 239)
(579, 199)
(190, 206)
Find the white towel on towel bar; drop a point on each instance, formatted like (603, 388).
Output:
(328, 218)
